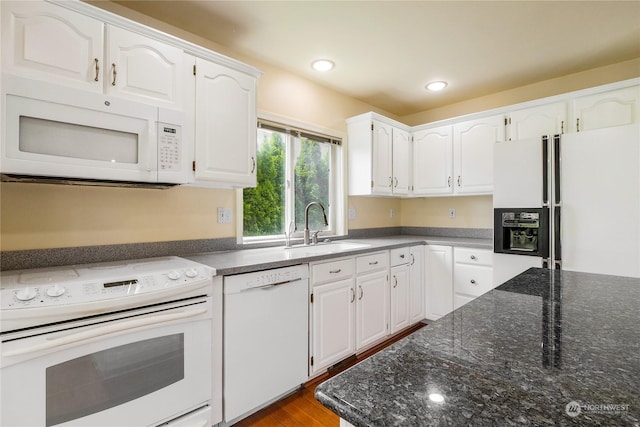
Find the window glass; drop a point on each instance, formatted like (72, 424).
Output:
(294, 168)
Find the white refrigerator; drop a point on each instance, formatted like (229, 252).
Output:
(589, 183)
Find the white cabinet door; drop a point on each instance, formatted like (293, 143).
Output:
(226, 126)
(416, 279)
(439, 281)
(613, 108)
(534, 122)
(382, 175)
(473, 153)
(44, 41)
(140, 68)
(333, 324)
(401, 163)
(472, 274)
(433, 161)
(372, 308)
(400, 290)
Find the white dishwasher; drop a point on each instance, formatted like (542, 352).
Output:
(265, 338)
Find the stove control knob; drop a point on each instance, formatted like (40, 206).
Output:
(191, 272)
(26, 294)
(56, 291)
(174, 275)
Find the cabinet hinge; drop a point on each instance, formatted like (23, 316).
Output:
(506, 121)
(311, 298)
(193, 166)
(311, 360)
(371, 126)
(371, 183)
(194, 69)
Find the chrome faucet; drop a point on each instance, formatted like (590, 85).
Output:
(306, 222)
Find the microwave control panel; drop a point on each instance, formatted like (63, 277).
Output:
(169, 147)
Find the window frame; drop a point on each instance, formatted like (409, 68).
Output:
(337, 212)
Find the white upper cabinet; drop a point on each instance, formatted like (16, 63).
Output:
(401, 165)
(550, 119)
(614, 108)
(225, 126)
(143, 69)
(44, 41)
(433, 161)
(473, 142)
(47, 42)
(379, 154)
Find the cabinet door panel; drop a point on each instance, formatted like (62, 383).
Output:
(537, 121)
(399, 298)
(401, 153)
(225, 126)
(333, 320)
(614, 108)
(372, 309)
(433, 161)
(416, 277)
(143, 69)
(439, 281)
(48, 42)
(381, 158)
(473, 143)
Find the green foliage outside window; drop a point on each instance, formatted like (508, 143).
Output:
(265, 205)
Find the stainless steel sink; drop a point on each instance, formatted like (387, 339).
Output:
(324, 248)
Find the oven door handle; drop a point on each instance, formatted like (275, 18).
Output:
(104, 330)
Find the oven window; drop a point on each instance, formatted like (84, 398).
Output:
(109, 378)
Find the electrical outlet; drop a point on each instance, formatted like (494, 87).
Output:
(392, 213)
(352, 213)
(452, 213)
(225, 216)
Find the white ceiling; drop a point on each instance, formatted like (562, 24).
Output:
(386, 51)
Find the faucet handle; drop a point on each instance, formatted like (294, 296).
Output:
(314, 237)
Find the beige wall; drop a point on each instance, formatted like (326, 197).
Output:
(37, 216)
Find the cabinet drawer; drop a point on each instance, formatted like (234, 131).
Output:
(472, 280)
(372, 262)
(332, 270)
(400, 256)
(473, 256)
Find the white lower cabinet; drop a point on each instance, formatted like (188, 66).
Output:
(372, 306)
(400, 289)
(472, 274)
(332, 312)
(438, 281)
(416, 286)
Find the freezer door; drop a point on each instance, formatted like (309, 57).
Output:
(518, 170)
(600, 183)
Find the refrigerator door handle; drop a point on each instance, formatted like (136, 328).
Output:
(557, 239)
(557, 169)
(545, 171)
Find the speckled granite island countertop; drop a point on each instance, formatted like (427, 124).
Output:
(545, 348)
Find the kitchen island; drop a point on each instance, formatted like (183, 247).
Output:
(545, 348)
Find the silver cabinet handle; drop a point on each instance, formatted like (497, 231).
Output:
(395, 282)
(459, 177)
(402, 256)
(449, 181)
(395, 182)
(361, 292)
(578, 124)
(390, 182)
(353, 295)
(253, 164)
(335, 271)
(473, 282)
(373, 263)
(115, 73)
(473, 257)
(97, 65)
(413, 259)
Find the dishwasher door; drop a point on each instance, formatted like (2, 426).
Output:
(265, 338)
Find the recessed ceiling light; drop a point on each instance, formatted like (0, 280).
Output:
(322, 65)
(436, 86)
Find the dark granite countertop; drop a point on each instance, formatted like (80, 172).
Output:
(520, 354)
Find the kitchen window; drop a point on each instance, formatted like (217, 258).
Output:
(295, 166)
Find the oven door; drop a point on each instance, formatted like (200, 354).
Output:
(146, 369)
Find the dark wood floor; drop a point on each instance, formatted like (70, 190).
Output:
(301, 409)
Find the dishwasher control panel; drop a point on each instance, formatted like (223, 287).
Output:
(266, 278)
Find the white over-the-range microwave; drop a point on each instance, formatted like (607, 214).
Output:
(52, 131)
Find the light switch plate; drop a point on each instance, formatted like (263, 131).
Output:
(225, 216)
(352, 213)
